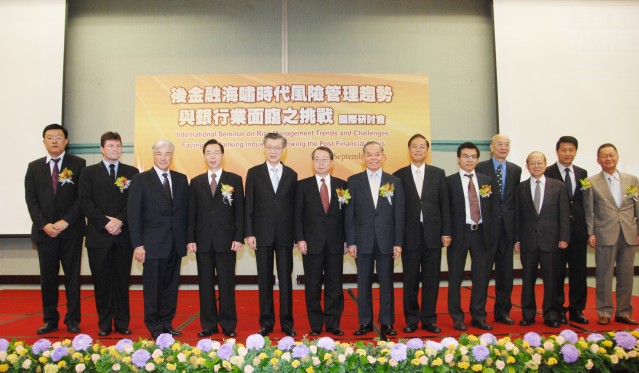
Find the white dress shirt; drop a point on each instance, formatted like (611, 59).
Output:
(327, 180)
(542, 187)
(465, 180)
(49, 158)
(161, 176)
(562, 172)
(614, 183)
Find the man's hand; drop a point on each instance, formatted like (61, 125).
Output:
(51, 230)
(517, 248)
(60, 225)
(397, 251)
(446, 241)
(236, 246)
(252, 242)
(139, 254)
(563, 244)
(592, 240)
(352, 251)
(301, 246)
(191, 247)
(114, 226)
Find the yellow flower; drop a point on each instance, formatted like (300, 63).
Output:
(295, 363)
(464, 365)
(226, 365)
(158, 360)
(437, 362)
(261, 356)
(419, 353)
(635, 333)
(415, 361)
(327, 356)
(510, 360)
(278, 353)
(76, 356)
(525, 344)
(200, 360)
(171, 366)
(273, 361)
(585, 184)
(12, 358)
(310, 370)
(126, 360)
(385, 351)
(62, 363)
(607, 343)
(66, 343)
(477, 368)
(196, 351)
(472, 338)
(381, 360)
(552, 361)
(42, 359)
(602, 351)
(176, 347)
(4, 367)
(96, 347)
(582, 344)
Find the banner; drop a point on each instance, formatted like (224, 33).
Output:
(340, 111)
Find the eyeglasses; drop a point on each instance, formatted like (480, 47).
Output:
(274, 148)
(56, 137)
(536, 164)
(321, 160)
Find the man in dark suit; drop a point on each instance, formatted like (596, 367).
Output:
(505, 178)
(104, 191)
(575, 255)
(319, 232)
(215, 234)
(543, 227)
(51, 191)
(268, 227)
(374, 235)
(427, 230)
(471, 202)
(157, 212)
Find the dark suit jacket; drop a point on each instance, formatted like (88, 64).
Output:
(577, 214)
(156, 221)
(458, 209)
(99, 198)
(551, 225)
(503, 206)
(46, 207)
(433, 205)
(365, 223)
(214, 223)
(268, 215)
(315, 226)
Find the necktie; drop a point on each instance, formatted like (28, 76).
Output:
(213, 184)
(167, 185)
(569, 187)
(500, 180)
(374, 188)
(614, 190)
(537, 197)
(473, 200)
(54, 175)
(419, 182)
(275, 179)
(112, 171)
(324, 195)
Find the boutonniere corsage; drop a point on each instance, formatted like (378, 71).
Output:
(343, 195)
(631, 192)
(122, 183)
(585, 184)
(65, 176)
(227, 193)
(486, 190)
(387, 190)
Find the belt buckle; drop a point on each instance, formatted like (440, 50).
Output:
(474, 227)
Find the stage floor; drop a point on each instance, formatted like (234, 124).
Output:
(20, 316)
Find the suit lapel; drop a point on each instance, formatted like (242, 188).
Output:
(334, 203)
(603, 184)
(45, 171)
(266, 175)
(367, 188)
(158, 183)
(527, 190)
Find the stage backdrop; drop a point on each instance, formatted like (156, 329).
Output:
(342, 112)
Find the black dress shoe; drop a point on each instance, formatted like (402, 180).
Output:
(174, 332)
(315, 333)
(481, 324)
(123, 331)
(266, 330)
(229, 333)
(562, 318)
(103, 333)
(207, 332)
(578, 317)
(363, 329)
(552, 323)
(459, 325)
(289, 331)
(47, 328)
(410, 328)
(388, 330)
(505, 320)
(73, 328)
(626, 320)
(336, 332)
(431, 328)
(527, 322)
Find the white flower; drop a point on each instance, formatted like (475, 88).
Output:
(632, 354)
(156, 353)
(423, 360)
(463, 350)
(215, 345)
(371, 360)
(150, 367)
(236, 360)
(549, 346)
(19, 348)
(500, 365)
(313, 349)
(248, 369)
(589, 364)
(316, 361)
(230, 341)
(560, 340)
(181, 357)
(128, 348)
(115, 367)
(80, 368)
(95, 358)
(509, 346)
(47, 353)
(242, 351)
(614, 359)
(27, 364)
(286, 356)
(216, 368)
(448, 358)
(594, 348)
(392, 363)
(515, 350)
(348, 351)
(56, 345)
(536, 358)
(341, 358)
(3, 355)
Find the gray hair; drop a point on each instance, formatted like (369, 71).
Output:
(274, 136)
(163, 142)
(372, 143)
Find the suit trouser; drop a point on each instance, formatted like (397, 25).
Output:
(324, 268)
(423, 264)
(530, 258)
(605, 258)
(264, 257)
(575, 257)
(111, 272)
(68, 252)
(384, 266)
(207, 265)
(503, 258)
(160, 282)
(481, 263)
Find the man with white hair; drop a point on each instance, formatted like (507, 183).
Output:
(157, 211)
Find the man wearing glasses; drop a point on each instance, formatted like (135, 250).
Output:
(268, 228)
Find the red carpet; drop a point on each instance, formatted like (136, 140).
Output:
(20, 316)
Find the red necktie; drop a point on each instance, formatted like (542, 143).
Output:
(475, 214)
(54, 175)
(324, 195)
(213, 184)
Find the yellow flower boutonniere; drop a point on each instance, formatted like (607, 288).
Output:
(387, 191)
(631, 192)
(65, 176)
(343, 195)
(486, 190)
(122, 183)
(585, 184)
(227, 193)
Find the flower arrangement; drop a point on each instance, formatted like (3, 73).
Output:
(486, 190)
(65, 176)
(122, 183)
(566, 352)
(227, 193)
(632, 192)
(343, 195)
(585, 184)
(387, 191)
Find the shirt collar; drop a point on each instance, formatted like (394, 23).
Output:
(414, 168)
(217, 173)
(542, 180)
(326, 178)
(60, 157)
(562, 168)
(497, 163)
(378, 172)
(614, 176)
(464, 173)
(160, 172)
(107, 163)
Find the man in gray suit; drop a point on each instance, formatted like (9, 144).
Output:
(610, 202)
